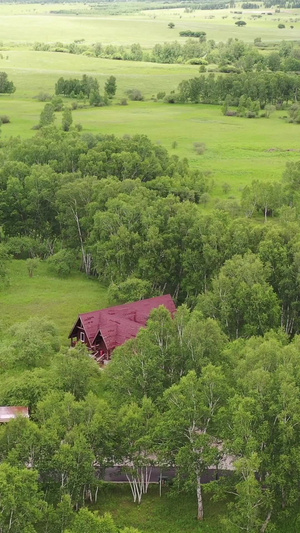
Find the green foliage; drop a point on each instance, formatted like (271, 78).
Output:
(61, 263)
(131, 290)
(32, 265)
(110, 86)
(21, 501)
(75, 88)
(47, 116)
(66, 121)
(4, 263)
(135, 95)
(5, 85)
(242, 299)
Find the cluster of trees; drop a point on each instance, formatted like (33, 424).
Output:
(47, 464)
(265, 87)
(86, 88)
(6, 86)
(179, 394)
(191, 33)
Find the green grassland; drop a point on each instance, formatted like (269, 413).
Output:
(21, 24)
(45, 295)
(238, 150)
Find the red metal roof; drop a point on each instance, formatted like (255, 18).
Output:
(8, 413)
(122, 322)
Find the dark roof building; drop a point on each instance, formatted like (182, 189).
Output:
(106, 329)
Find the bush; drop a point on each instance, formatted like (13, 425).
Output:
(43, 97)
(57, 103)
(61, 263)
(199, 148)
(32, 264)
(204, 198)
(281, 26)
(4, 119)
(135, 95)
(25, 247)
(123, 101)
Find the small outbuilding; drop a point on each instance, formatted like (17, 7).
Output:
(104, 330)
(8, 413)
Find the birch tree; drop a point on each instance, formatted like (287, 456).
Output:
(188, 428)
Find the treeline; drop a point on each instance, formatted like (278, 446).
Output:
(232, 56)
(265, 87)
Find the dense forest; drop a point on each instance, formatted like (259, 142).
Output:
(221, 378)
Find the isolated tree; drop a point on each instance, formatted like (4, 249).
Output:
(171, 25)
(240, 23)
(47, 115)
(32, 264)
(67, 119)
(110, 87)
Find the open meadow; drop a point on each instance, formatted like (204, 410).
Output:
(238, 150)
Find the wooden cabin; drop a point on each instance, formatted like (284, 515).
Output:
(8, 413)
(104, 330)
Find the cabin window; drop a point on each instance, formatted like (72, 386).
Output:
(82, 336)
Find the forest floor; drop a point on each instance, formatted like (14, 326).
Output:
(172, 513)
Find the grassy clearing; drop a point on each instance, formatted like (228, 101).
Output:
(61, 300)
(176, 514)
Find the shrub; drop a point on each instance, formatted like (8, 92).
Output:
(204, 198)
(61, 263)
(43, 97)
(4, 119)
(57, 103)
(135, 95)
(123, 101)
(281, 26)
(32, 264)
(199, 148)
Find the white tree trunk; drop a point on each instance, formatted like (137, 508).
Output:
(200, 515)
